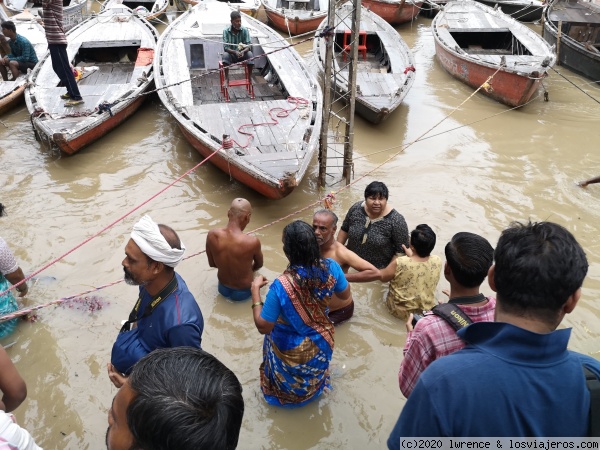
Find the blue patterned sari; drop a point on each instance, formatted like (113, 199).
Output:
(8, 304)
(297, 352)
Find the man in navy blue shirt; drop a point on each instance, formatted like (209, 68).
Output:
(516, 376)
(166, 313)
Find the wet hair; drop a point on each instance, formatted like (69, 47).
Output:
(302, 250)
(470, 257)
(422, 238)
(539, 266)
(185, 399)
(329, 213)
(376, 189)
(9, 25)
(235, 15)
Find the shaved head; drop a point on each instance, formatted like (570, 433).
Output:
(240, 206)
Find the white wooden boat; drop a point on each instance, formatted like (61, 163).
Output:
(114, 51)
(249, 7)
(578, 43)
(11, 91)
(295, 16)
(188, 82)
(151, 10)
(74, 11)
(385, 68)
(474, 42)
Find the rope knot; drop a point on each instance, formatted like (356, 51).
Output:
(328, 200)
(326, 33)
(105, 107)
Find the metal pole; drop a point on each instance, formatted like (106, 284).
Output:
(349, 135)
(324, 143)
(558, 37)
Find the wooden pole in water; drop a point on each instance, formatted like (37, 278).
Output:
(558, 36)
(324, 143)
(349, 135)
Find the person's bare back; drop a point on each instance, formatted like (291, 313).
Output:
(235, 255)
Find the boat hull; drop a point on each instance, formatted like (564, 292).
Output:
(230, 166)
(72, 143)
(394, 13)
(294, 25)
(571, 53)
(523, 12)
(12, 99)
(506, 87)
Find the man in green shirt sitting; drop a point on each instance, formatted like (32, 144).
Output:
(22, 54)
(237, 43)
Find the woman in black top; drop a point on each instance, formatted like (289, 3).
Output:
(374, 230)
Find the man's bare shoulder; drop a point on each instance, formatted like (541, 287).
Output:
(341, 254)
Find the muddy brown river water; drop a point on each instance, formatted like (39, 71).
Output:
(485, 167)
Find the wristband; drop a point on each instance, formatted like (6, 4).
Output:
(257, 304)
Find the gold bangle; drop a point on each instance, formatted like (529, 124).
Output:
(257, 304)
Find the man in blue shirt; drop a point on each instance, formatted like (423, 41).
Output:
(237, 43)
(166, 313)
(22, 54)
(516, 376)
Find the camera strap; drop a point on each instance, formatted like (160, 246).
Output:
(593, 385)
(452, 314)
(150, 307)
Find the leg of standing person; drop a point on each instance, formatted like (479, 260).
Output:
(62, 68)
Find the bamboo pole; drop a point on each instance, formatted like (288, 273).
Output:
(324, 142)
(349, 135)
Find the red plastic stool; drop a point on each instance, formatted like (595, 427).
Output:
(246, 81)
(362, 43)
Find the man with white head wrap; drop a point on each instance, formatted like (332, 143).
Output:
(166, 313)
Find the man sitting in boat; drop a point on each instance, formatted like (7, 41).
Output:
(166, 313)
(237, 43)
(22, 54)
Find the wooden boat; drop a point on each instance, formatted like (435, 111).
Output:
(295, 16)
(114, 51)
(394, 12)
(385, 70)
(579, 44)
(474, 42)
(188, 81)
(11, 91)
(249, 7)
(73, 12)
(150, 10)
(521, 10)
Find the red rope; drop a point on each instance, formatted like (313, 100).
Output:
(112, 224)
(281, 113)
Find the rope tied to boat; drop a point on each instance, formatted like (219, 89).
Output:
(105, 107)
(326, 33)
(410, 68)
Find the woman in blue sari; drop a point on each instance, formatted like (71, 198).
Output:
(298, 341)
(9, 272)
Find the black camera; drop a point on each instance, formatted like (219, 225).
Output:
(416, 318)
